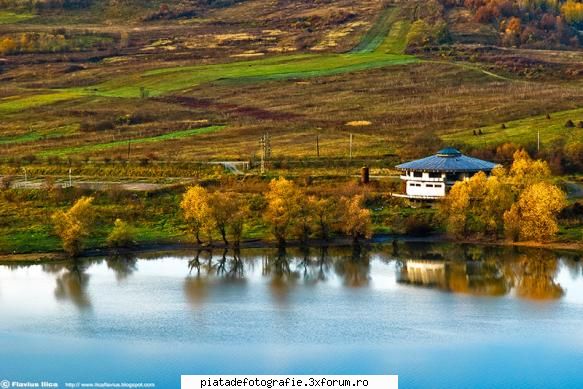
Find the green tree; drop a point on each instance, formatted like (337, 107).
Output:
(73, 226)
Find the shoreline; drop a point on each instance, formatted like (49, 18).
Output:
(57, 256)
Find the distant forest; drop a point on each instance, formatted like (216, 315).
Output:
(529, 23)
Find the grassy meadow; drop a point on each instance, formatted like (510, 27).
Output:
(552, 128)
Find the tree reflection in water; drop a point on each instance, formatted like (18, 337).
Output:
(71, 282)
(283, 279)
(535, 277)
(354, 269)
(206, 272)
(487, 272)
(233, 268)
(123, 265)
(196, 285)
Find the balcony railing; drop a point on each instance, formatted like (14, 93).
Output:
(422, 179)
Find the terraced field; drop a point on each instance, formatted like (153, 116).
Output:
(381, 47)
(301, 66)
(123, 143)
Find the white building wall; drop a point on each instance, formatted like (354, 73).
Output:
(424, 188)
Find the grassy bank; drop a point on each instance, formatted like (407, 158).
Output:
(157, 219)
(523, 132)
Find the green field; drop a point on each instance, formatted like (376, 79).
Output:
(124, 143)
(36, 135)
(20, 103)
(7, 17)
(378, 33)
(523, 131)
(166, 80)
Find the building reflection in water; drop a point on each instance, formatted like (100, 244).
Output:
(529, 277)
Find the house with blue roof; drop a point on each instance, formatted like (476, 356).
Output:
(430, 178)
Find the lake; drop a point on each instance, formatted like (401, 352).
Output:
(438, 315)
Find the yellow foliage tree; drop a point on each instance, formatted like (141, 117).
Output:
(525, 171)
(356, 219)
(573, 11)
(325, 213)
(197, 211)
(534, 215)
(454, 209)
(477, 206)
(7, 45)
(229, 212)
(284, 201)
(74, 225)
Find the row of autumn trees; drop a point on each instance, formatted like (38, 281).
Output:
(520, 203)
(290, 213)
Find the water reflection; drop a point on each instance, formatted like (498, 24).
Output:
(486, 271)
(123, 265)
(196, 284)
(282, 278)
(468, 269)
(535, 277)
(354, 269)
(283, 269)
(71, 282)
(478, 278)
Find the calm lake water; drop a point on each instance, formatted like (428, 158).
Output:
(439, 316)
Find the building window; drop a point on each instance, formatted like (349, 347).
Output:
(438, 185)
(434, 175)
(417, 174)
(429, 185)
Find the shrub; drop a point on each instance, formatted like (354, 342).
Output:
(122, 235)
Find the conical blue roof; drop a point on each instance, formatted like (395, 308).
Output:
(448, 160)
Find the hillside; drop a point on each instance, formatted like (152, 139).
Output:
(81, 79)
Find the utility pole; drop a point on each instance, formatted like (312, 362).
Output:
(318, 145)
(265, 143)
(350, 145)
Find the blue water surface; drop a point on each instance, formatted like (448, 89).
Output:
(439, 316)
